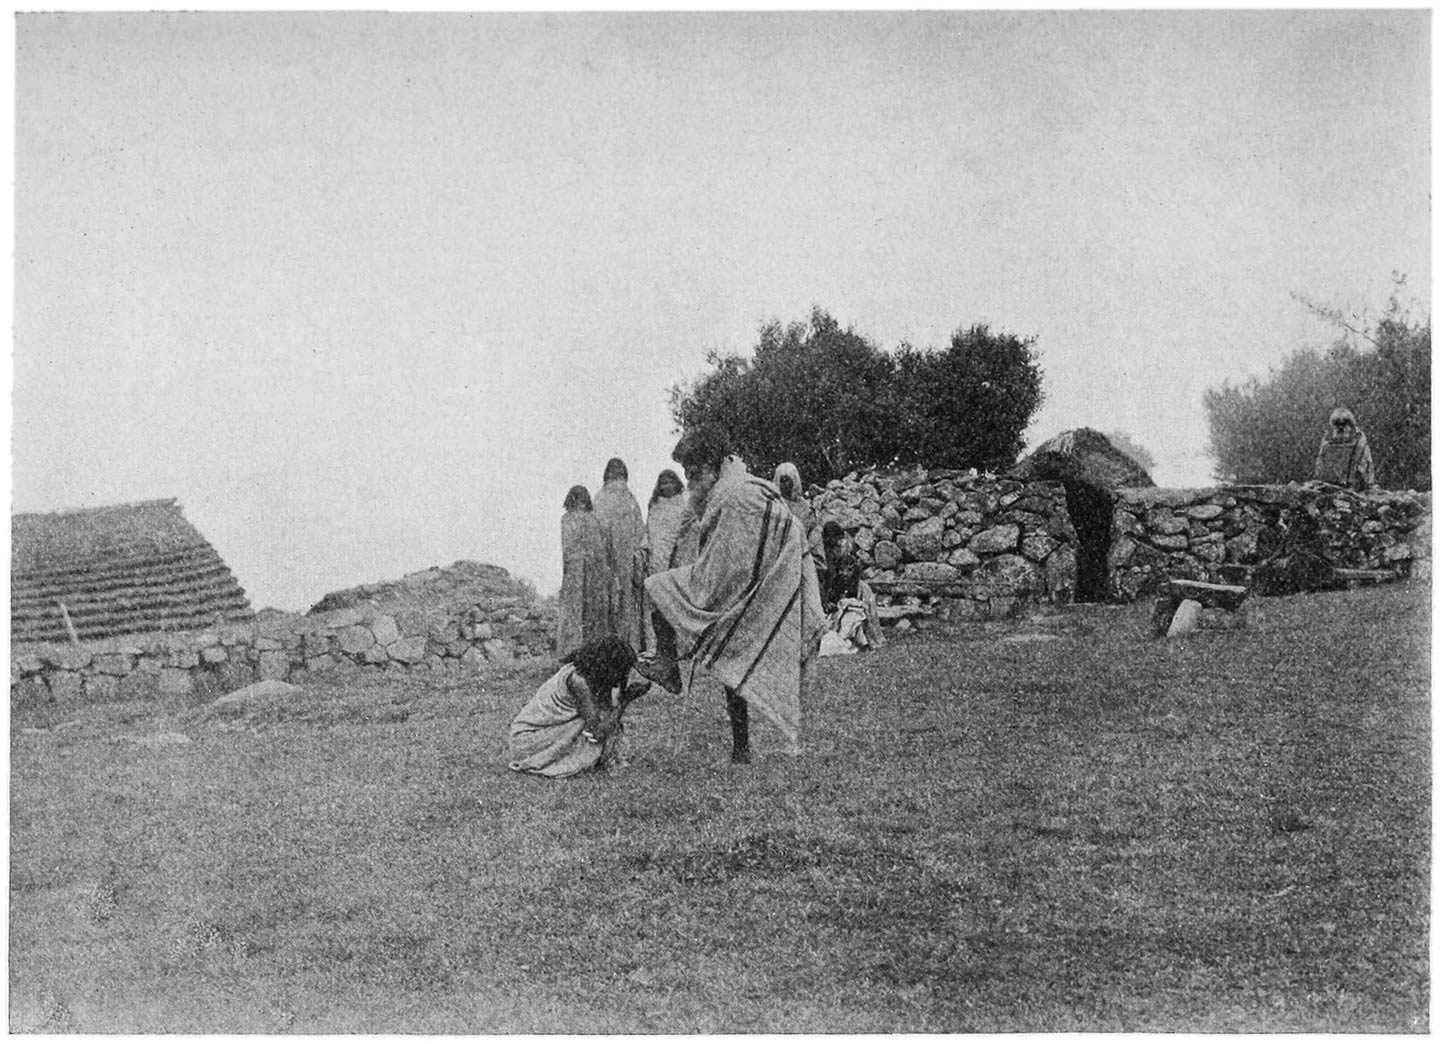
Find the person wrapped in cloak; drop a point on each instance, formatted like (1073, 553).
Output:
(584, 610)
(573, 722)
(622, 527)
(787, 481)
(747, 609)
(664, 520)
(1344, 458)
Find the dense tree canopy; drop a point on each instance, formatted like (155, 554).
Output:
(830, 400)
(1270, 430)
(969, 404)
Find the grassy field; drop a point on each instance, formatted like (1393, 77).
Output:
(1049, 824)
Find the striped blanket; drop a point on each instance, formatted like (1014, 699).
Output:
(748, 608)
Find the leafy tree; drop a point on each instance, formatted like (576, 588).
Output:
(1126, 444)
(967, 405)
(1269, 430)
(830, 400)
(815, 394)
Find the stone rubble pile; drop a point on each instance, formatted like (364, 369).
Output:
(954, 544)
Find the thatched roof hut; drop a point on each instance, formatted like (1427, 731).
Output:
(1091, 469)
(124, 569)
(1084, 455)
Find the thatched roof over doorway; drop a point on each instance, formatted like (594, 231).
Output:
(1084, 455)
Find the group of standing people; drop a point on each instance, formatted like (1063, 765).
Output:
(608, 548)
(726, 571)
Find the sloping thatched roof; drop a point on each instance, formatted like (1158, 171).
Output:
(125, 569)
(1084, 455)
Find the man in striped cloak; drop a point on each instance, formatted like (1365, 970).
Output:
(748, 608)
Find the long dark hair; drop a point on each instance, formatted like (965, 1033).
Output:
(702, 447)
(578, 497)
(667, 485)
(604, 663)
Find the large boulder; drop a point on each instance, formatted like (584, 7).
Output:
(1083, 455)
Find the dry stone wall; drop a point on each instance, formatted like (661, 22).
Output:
(291, 648)
(956, 544)
(1232, 534)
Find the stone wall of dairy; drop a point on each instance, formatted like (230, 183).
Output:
(1227, 534)
(965, 546)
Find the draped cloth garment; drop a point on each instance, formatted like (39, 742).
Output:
(1345, 460)
(804, 513)
(748, 608)
(663, 529)
(623, 528)
(585, 583)
(546, 737)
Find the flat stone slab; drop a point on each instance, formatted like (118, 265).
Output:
(261, 691)
(1210, 596)
(891, 613)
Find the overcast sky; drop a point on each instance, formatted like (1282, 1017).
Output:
(368, 293)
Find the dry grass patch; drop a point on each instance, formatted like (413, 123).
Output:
(1049, 824)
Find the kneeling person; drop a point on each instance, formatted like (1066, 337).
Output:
(572, 723)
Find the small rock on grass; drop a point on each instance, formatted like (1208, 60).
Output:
(261, 690)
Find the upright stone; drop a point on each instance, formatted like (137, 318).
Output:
(1186, 619)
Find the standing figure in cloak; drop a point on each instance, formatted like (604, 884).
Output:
(572, 723)
(787, 481)
(664, 519)
(623, 528)
(585, 583)
(748, 608)
(1345, 454)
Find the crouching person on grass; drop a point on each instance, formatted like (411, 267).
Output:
(748, 608)
(572, 723)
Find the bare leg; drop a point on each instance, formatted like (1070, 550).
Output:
(663, 670)
(739, 712)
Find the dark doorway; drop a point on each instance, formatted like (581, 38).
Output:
(1091, 511)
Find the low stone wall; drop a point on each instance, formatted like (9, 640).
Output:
(226, 657)
(960, 545)
(1227, 533)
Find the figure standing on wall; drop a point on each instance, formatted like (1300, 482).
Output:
(626, 551)
(1344, 458)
